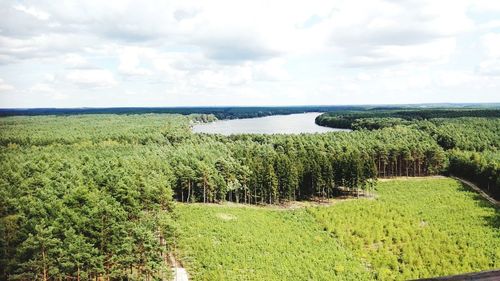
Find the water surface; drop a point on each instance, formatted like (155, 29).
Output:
(276, 124)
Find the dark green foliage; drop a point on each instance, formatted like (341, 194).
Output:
(89, 196)
(473, 134)
(472, 137)
(83, 212)
(377, 123)
(384, 117)
(219, 112)
(246, 168)
(481, 168)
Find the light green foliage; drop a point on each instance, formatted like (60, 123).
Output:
(91, 196)
(92, 129)
(418, 228)
(471, 137)
(241, 168)
(466, 133)
(251, 243)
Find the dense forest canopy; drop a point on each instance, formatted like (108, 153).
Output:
(83, 196)
(219, 112)
(471, 137)
(382, 117)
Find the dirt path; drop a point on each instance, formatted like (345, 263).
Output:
(478, 190)
(411, 178)
(180, 273)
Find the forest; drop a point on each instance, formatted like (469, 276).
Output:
(377, 118)
(220, 112)
(224, 112)
(93, 195)
(469, 137)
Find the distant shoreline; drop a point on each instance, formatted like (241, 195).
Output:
(231, 112)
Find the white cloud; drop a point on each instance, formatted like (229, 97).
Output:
(491, 43)
(51, 45)
(98, 78)
(393, 32)
(247, 52)
(75, 60)
(130, 59)
(435, 51)
(452, 78)
(32, 11)
(227, 32)
(42, 87)
(490, 65)
(272, 70)
(492, 24)
(485, 6)
(223, 78)
(4, 87)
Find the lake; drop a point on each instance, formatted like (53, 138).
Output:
(276, 124)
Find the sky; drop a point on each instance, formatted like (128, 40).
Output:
(237, 53)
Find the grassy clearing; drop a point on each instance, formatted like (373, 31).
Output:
(413, 229)
(418, 228)
(250, 243)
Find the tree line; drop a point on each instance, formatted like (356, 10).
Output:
(222, 112)
(85, 197)
(482, 168)
(379, 117)
(470, 137)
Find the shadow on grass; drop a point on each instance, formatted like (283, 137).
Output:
(494, 220)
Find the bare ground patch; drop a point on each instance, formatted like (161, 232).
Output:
(226, 216)
(412, 178)
(286, 205)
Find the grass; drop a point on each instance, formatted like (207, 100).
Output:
(414, 229)
(418, 228)
(250, 243)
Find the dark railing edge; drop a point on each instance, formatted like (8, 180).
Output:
(488, 275)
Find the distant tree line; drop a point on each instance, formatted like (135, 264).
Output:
(218, 112)
(379, 118)
(471, 137)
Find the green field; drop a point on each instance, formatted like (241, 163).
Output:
(414, 228)
(252, 243)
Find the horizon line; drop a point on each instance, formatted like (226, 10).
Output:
(251, 106)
